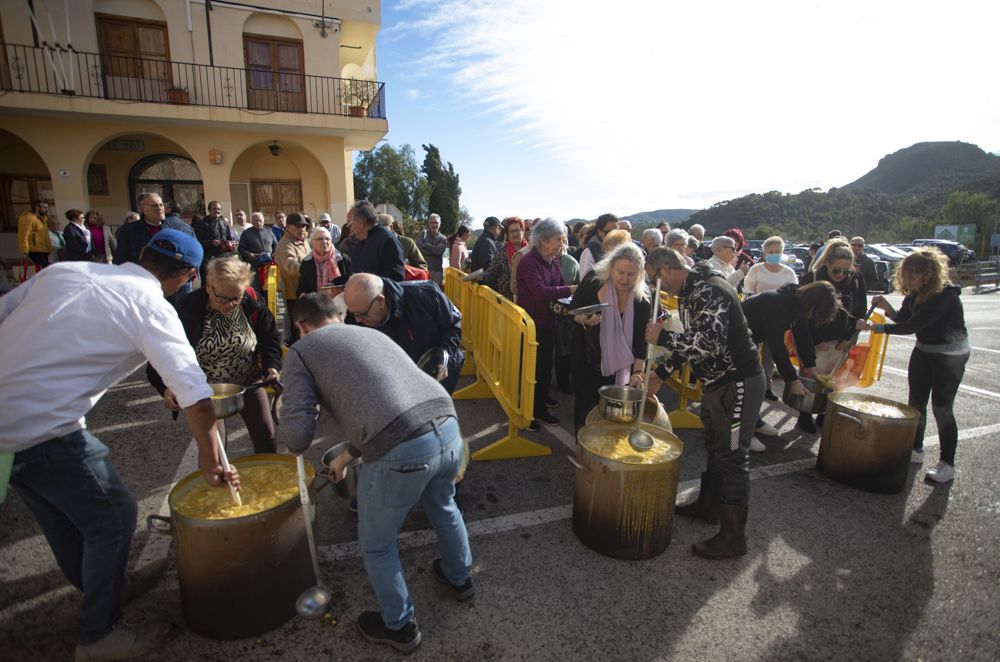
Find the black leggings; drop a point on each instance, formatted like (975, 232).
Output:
(936, 377)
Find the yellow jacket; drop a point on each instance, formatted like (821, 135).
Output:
(32, 234)
(288, 255)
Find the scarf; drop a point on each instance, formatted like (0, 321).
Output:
(326, 268)
(616, 337)
(511, 249)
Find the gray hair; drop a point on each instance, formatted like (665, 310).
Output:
(774, 241)
(674, 236)
(320, 230)
(385, 219)
(654, 235)
(545, 230)
(625, 224)
(693, 243)
(256, 214)
(370, 284)
(632, 253)
(365, 211)
(431, 217)
(131, 216)
(698, 230)
(667, 257)
(722, 241)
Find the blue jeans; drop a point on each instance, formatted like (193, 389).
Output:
(420, 469)
(88, 517)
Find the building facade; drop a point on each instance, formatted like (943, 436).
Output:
(259, 105)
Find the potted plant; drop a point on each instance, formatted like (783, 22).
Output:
(359, 96)
(178, 95)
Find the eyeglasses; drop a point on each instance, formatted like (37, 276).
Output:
(839, 272)
(368, 310)
(223, 299)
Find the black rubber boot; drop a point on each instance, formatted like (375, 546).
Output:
(730, 541)
(806, 423)
(706, 506)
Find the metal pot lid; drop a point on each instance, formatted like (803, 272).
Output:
(609, 440)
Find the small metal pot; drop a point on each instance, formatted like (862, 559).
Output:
(347, 488)
(227, 399)
(619, 403)
(813, 402)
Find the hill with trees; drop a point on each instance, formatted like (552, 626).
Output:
(901, 199)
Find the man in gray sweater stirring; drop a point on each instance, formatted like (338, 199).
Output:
(402, 424)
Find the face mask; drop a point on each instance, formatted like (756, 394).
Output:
(773, 258)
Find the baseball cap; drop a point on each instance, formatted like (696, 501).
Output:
(491, 221)
(324, 217)
(182, 247)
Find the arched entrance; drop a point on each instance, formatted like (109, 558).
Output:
(171, 176)
(23, 177)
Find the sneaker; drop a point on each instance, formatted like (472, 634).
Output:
(552, 403)
(941, 473)
(769, 394)
(125, 642)
(917, 456)
(767, 430)
(756, 446)
(547, 419)
(533, 426)
(372, 628)
(141, 580)
(462, 592)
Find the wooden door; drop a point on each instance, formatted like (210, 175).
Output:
(275, 74)
(270, 196)
(135, 58)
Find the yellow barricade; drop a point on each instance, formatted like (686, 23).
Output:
(502, 339)
(272, 290)
(680, 383)
(878, 346)
(461, 294)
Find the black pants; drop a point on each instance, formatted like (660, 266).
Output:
(543, 368)
(936, 377)
(729, 413)
(41, 259)
(586, 382)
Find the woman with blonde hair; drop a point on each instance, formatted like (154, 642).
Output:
(932, 309)
(236, 342)
(610, 347)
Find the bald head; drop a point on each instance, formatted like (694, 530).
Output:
(364, 299)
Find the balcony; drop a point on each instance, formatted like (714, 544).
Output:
(71, 73)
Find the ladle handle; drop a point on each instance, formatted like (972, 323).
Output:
(228, 467)
(649, 354)
(300, 465)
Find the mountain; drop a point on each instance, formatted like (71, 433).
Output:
(649, 219)
(931, 169)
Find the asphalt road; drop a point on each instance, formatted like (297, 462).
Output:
(833, 573)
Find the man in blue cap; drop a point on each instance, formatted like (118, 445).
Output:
(61, 471)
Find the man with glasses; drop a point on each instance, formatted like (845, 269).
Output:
(723, 256)
(717, 343)
(403, 424)
(862, 263)
(377, 251)
(278, 228)
(416, 315)
(61, 471)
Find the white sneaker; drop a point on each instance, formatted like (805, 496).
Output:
(941, 473)
(917, 457)
(756, 446)
(124, 642)
(767, 430)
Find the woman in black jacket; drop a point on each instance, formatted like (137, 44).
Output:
(236, 342)
(836, 266)
(79, 245)
(322, 258)
(603, 356)
(932, 309)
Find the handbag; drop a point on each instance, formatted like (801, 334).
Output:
(415, 273)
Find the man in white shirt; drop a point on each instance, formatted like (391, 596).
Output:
(240, 223)
(61, 471)
(723, 255)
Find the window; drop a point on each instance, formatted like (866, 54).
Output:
(135, 60)
(172, 177)
(275, 78)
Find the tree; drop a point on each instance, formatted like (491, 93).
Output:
(976, 209)
(389, 175)
(444, 189)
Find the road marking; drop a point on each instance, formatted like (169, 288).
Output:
(144, 401)
(962, 387)
(565, 437)
(978, 349)
(482, 433)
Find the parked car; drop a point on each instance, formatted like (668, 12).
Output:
(884, 271)
(883, 252)
(957, 253)
(790, 259)
(905, 248)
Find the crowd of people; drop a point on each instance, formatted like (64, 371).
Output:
(369, 329)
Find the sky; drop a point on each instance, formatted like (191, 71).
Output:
(573, 108)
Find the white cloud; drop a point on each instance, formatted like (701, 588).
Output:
(414, 94)
(654, 103)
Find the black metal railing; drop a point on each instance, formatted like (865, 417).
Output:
(47, 70)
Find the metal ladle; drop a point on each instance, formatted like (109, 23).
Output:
(638, 438)
(315, 600)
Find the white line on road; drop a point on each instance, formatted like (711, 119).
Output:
(963, 387)
(978, 349)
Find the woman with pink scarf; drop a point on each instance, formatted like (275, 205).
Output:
(609, 347)
(322, 264)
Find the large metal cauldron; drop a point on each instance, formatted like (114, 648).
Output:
(865, 450)
(240, 577)
(654, 414)
(623, 504)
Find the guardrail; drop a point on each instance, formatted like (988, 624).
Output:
(502, 340)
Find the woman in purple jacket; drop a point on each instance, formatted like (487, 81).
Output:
(539, 283)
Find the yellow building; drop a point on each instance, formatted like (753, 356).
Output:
(259, 105)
